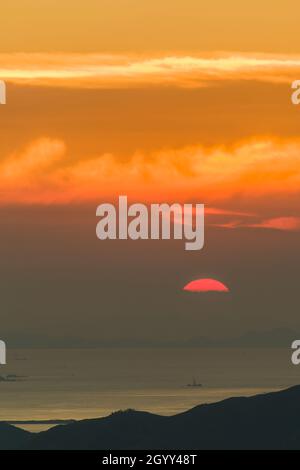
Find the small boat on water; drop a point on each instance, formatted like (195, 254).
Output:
(194, 383)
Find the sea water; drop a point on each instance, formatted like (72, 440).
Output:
(49, 384)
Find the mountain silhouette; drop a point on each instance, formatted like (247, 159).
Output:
(12, 438)
(267, 421)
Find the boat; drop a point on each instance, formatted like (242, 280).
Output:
(194, 383)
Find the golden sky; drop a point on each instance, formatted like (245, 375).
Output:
(172, 99)
(156, 25)
(162, 100)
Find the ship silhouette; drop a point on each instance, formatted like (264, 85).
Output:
(194, 383)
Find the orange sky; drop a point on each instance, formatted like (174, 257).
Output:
(162, 100)
(139, 26)
(139, 100)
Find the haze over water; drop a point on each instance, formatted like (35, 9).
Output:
(89, 383)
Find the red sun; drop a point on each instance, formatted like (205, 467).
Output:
(206, 285)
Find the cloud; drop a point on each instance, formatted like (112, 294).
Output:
(219, 211)
(33, 161)
(102, 71)
(279, 223)
(25, 176)
(288, 224)
(258, 168)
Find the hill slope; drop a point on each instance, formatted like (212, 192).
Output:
(12, 438)
(269, 421)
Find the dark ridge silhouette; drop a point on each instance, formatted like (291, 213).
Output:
(41, 421)
(12, 438)
(121, 430)
(268, 421)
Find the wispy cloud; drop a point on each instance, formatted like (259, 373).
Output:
(291, 224)
(43, 172)
(287, 224)
(102, 71)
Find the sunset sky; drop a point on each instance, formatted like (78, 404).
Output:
(162, 101)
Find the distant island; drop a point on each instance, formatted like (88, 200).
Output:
(266, 421)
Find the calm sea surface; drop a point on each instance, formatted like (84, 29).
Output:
(64, 384)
